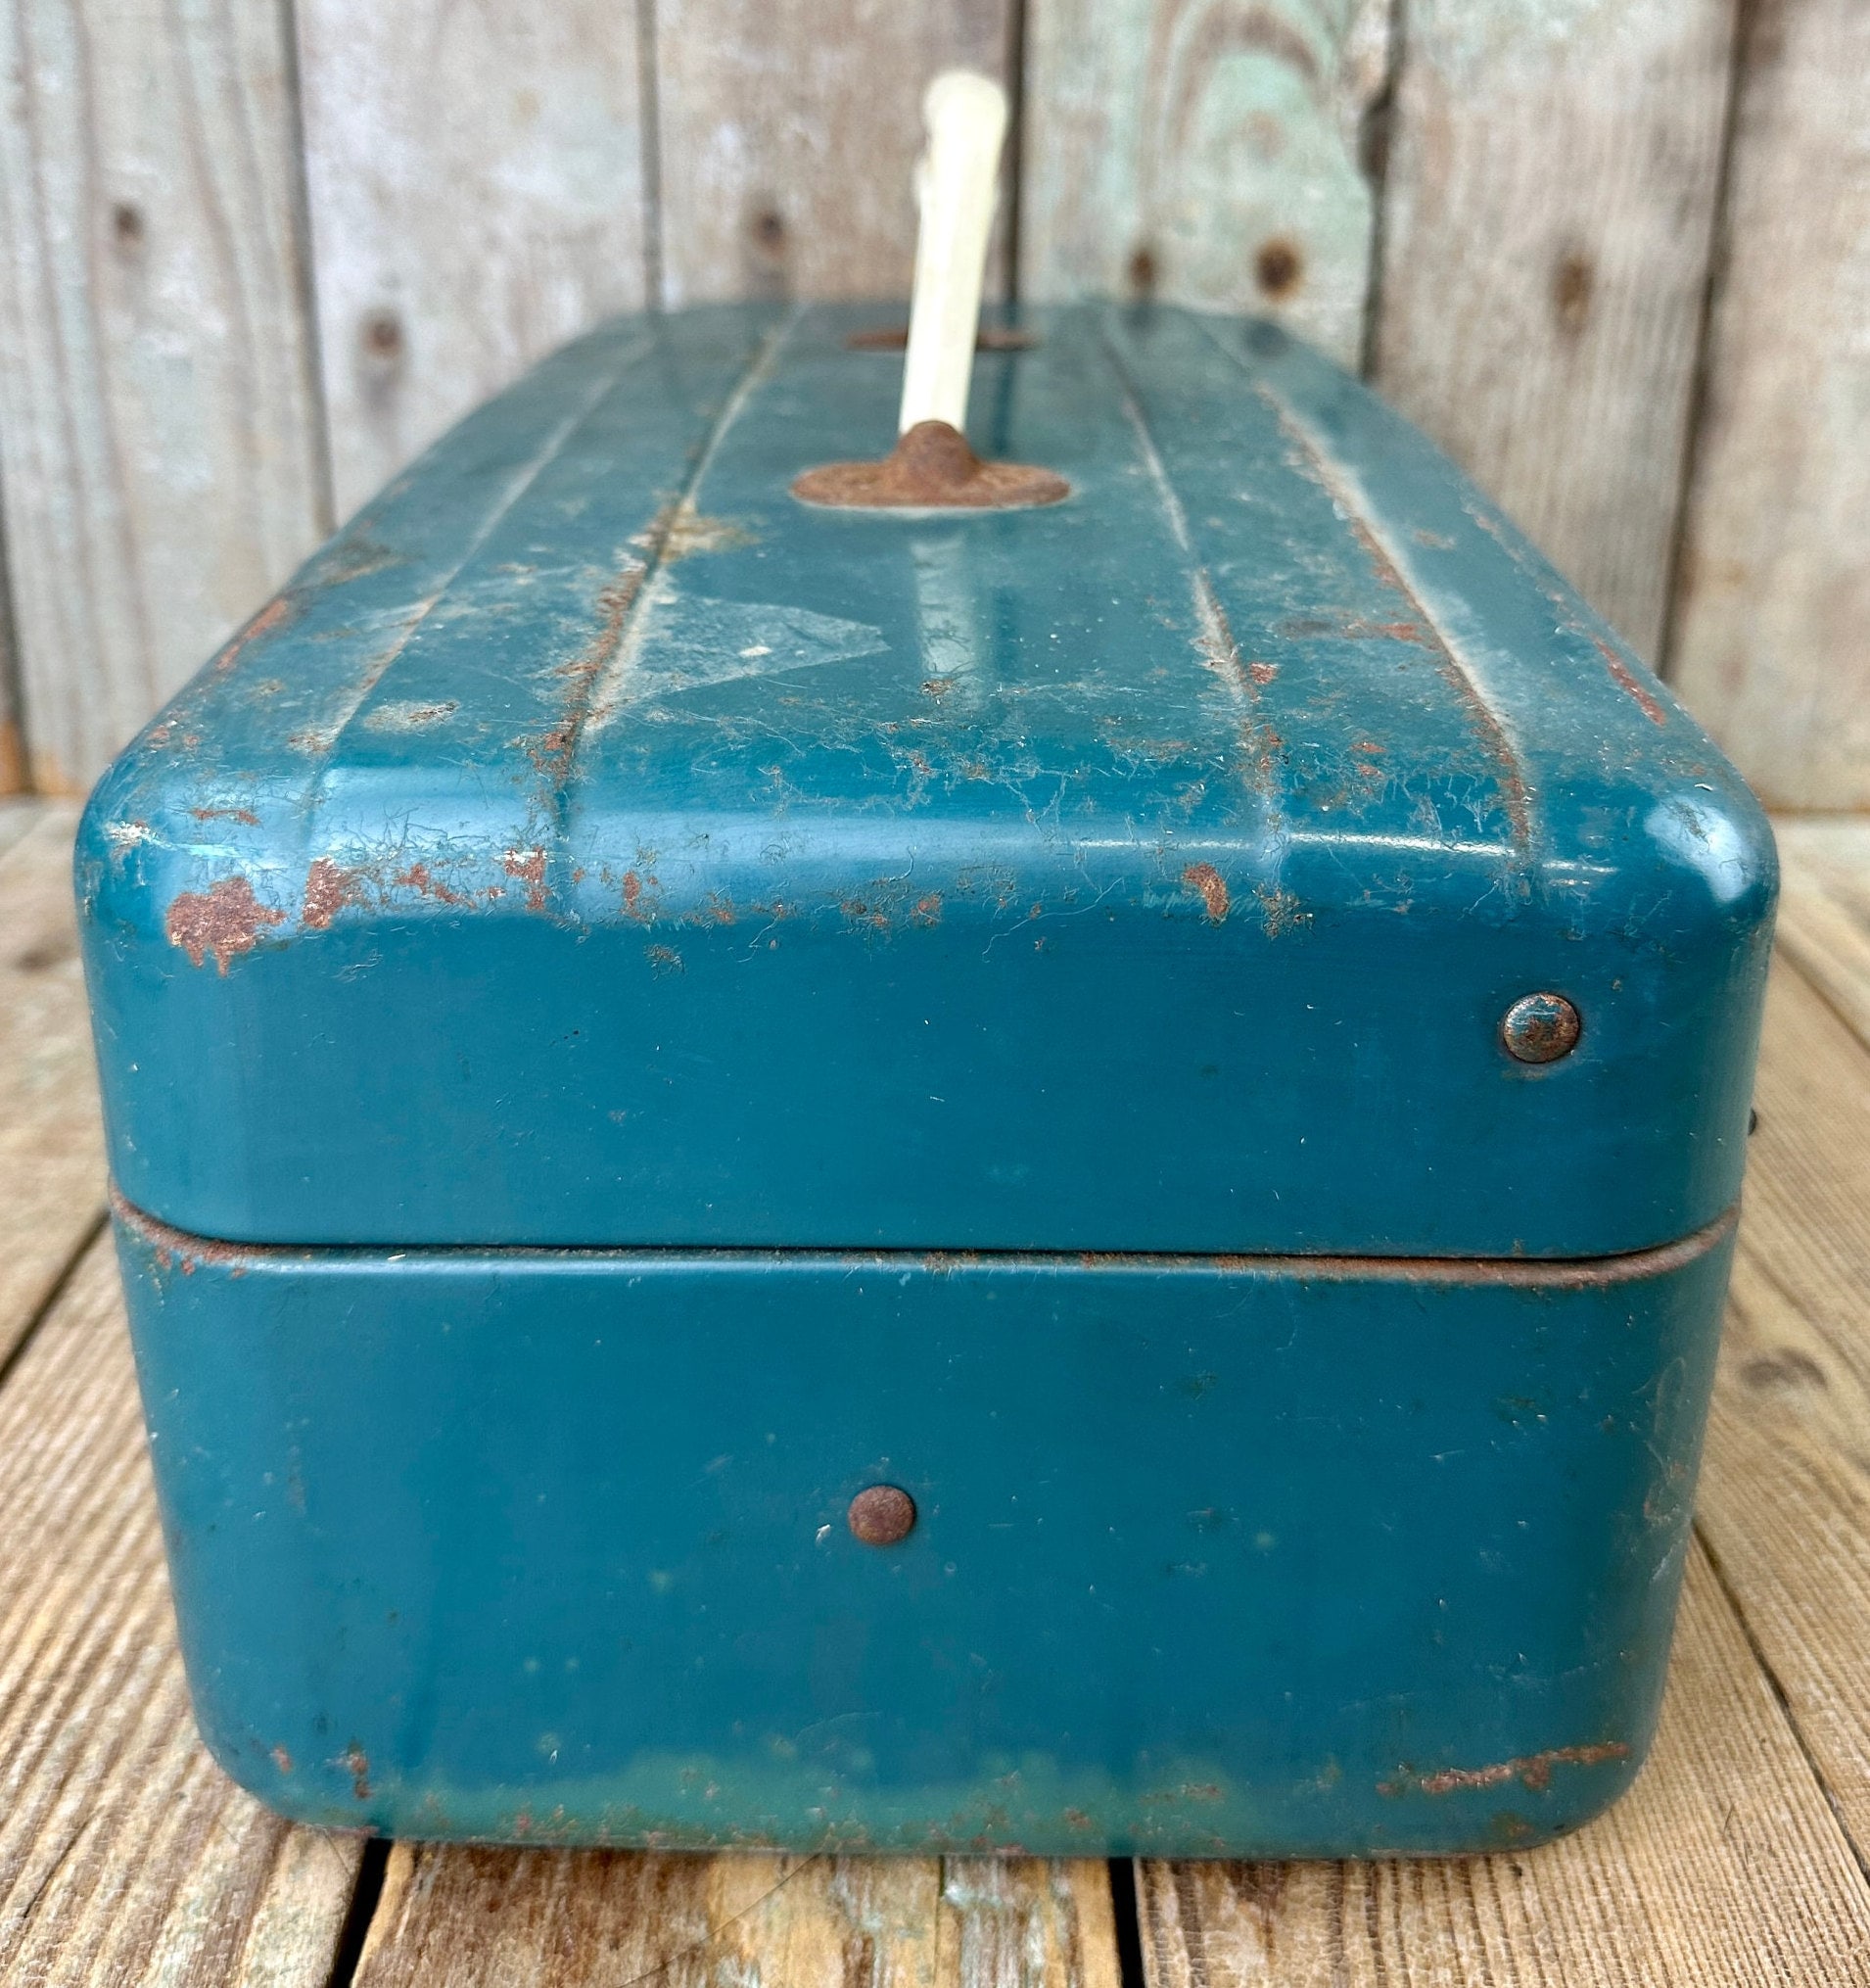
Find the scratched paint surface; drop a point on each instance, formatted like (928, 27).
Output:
(595, 845)
(1225, 1558)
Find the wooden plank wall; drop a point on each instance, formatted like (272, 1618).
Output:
(1613, 253)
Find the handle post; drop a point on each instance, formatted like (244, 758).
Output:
(955, 187)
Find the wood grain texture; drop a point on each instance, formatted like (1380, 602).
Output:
(125, 1855)
(1785, 1502)
(1722, 1866)
(1772, 644)
(51, 1139)
(1824, 911)
(158, 425)
(1206, 152)
(473, 173)
(789, 132)
(448, 1918)
(1551, 193)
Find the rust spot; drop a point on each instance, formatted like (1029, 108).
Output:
(270, 617)
(881, 1515)
(528, 865)
(419, 876)
(1205, 879)
(1278, 267)
(895, 338)
(551, 751)
(1532, 1770)
(329, 887)
(715, 909)
(1076, 1819)
(226, 814)
(930, 468)
(632, 892)
(224, 921)
(664, 960)
(928, 910)
(1262, 673)
(1541, 1028)
(358, 1762)
(1629, 682)
(282, 1760)
(937, 687)
(1262, 746)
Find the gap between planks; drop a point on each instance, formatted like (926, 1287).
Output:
(51, 1143)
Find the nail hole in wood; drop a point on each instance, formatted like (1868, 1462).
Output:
(1279, 267)
(382, 337)
(1572, 283)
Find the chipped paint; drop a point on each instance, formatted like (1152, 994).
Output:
(1280, 910)
(405, 715)
(273, 616)
(329, 888)
(221, 922)
(528, 866)
(1532, 1771)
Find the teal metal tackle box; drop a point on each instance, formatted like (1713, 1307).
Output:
(1051, 1179)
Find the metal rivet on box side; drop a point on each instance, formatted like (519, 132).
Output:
(1541, 1028)
(882, 1515)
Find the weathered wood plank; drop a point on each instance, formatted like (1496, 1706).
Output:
(1550, 203)
(13, 736)
(157, 416)
(18, 813)
(1723, 1864)
(1208, 152)
(51, 1140)
(1772, 643)
(789, 132)
(1824, 911)
(1786, 1500)
(474, 174)
(125, 1855)
(450, 1917)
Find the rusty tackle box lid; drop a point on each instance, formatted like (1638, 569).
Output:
(594, 844)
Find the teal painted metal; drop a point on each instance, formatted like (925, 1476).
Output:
(582, 949)
(1246, 1558)
(645, 868)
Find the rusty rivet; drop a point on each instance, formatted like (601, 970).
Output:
(882, 1515)
(1541, 1028)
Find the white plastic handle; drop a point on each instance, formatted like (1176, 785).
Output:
(955, 183)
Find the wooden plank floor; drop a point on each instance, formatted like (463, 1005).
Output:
(1740, 1857)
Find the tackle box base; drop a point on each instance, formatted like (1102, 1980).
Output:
(1260, 1556)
